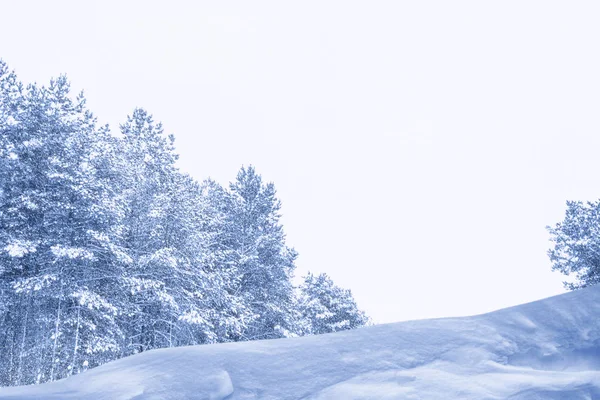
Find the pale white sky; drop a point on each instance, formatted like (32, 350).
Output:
(419, 148)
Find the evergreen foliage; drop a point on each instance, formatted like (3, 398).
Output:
(576, 239)
(107, 249)
(325, 307)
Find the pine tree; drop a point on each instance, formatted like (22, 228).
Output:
(325, 307)
(56, 205)
(230, 315)
(576, 239)
(148, 167)
(263, 264)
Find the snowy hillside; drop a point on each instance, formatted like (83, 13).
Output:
(549, 349)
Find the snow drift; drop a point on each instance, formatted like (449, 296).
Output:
(549, 349)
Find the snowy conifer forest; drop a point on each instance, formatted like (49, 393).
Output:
(108, 250)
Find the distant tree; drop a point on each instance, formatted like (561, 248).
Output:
(325, 307)
(576, 239)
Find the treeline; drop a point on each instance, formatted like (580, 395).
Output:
(107, 249)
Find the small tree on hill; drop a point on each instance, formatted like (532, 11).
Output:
(326, 308)
(576, 239)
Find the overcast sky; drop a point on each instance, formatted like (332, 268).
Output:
(419, 148)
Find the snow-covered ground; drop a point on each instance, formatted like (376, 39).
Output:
(549, 349)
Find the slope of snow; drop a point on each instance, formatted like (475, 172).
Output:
(549, 349)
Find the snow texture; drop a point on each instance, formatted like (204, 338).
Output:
(549, 349)
(20, 248)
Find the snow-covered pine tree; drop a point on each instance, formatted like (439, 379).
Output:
(325, 307)
(576, 251)
(57, 223)
(230, 313)
(189, 280)
(148, 165)
(263, 264)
